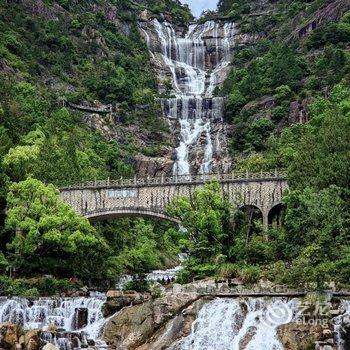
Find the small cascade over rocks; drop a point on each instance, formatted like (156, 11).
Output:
(160, 276)
(195, 63)
(339, 323)
(67, 323)
(235, 324)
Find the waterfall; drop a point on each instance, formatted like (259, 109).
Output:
(338, 323)
(196, 63)
(234, 324)
(165, 276)
(82, 314)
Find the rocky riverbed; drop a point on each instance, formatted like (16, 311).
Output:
(203, 315)
(206, 315)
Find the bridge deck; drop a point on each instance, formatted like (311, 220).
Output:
(180, 180)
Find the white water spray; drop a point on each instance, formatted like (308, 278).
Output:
(338, 324)
(196, 62)
(235, 324)
(62, 313)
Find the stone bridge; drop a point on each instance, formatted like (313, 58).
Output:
(99, 200)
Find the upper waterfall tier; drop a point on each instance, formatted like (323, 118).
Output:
(194, 62)
(197, 60)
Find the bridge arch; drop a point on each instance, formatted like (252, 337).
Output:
(114, 213)
(253, 213)
(275, 215)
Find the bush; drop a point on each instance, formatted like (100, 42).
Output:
(228, 270)
(35, 287)
(31, 293)
(137, 284)
(249, 274)
(4, 284)
(155, 290)
(184, 276)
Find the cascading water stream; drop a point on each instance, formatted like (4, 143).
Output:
(82, 314)
(194, 61)
(165, 276)
(237, 324)
(338, 324)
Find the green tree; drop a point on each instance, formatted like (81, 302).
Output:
(207, 220)
(324, 150)
(48, 236)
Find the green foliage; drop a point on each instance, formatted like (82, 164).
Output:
(248, 274)
(35, 287)
(280, 70)
(323, 151)
(235, 101)
(331, 33)
(139, 246)
(311, 244)
(50, 237)
(137, 284)
(206, 218)
(259, 131)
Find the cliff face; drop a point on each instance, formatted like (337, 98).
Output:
(272, 83)
(90, 54)
(182, 318)
(191, 63)
(108, 54)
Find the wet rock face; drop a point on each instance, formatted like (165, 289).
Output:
(175, 329)
(130, 328)
(116, 300)
(154, 166)
(192, 63)
(298, 111)
(9, 334)
(12, 337)
(80, 318)
(134, 325)
(332, 12)
(296, 336)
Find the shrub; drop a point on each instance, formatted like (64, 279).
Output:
(249, 274)
(137, 284)
(31, 293)
(4, 284)
(228, 270)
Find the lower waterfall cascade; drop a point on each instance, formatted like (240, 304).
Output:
(64, 314)
(250, 324)
(234, 324)
(338, 322)
(221, 324)
(196, 63)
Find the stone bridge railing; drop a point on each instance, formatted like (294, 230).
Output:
(180, 179)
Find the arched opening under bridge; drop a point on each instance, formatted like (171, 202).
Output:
(252, 219)
(275, 216)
